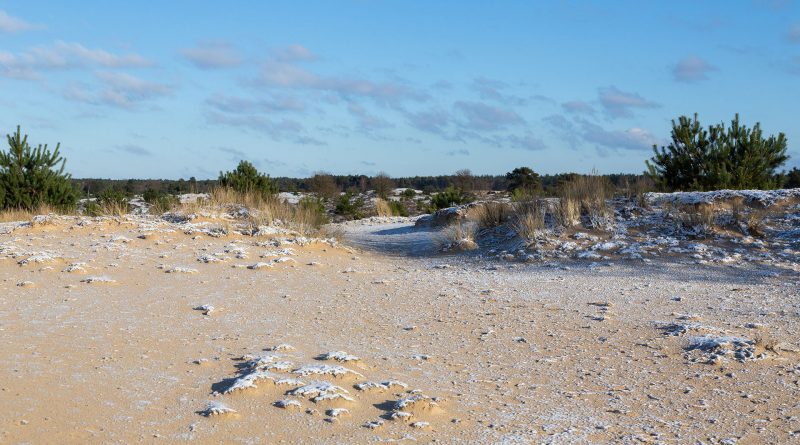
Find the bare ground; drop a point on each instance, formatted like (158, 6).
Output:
(511, 353)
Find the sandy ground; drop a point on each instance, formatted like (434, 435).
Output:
(507, 352)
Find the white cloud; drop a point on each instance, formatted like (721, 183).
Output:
(62, 56)
(619, 103)
(233, 104)
(482, 117)
(282, 71)
(119, 90)
(630, 139)
(212, 55)
(578, 107)
(294, 53)
(14, 24)
(692, 69)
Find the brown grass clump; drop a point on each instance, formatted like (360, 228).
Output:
(756, 222)
(490, 214)
(264, 210)
(699, 219)
(528, 219)
(459, 236)
(584, 198)
(382, 207)
(16, 215)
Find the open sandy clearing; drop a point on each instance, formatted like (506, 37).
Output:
(108, 337)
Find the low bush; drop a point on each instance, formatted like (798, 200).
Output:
(109, 202)
(449, 197)
(350, 206)
(160, 202)
(398, 208)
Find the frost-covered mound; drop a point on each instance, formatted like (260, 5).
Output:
(727, 227)
(764, 198)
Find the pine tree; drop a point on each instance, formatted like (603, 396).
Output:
(525, 179)
(247, 179)
(718, 158)
(30, 177)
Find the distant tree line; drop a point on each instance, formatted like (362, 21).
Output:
(335, 184)
(734, 156)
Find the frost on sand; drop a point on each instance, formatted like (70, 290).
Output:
(215, 408)
(339, 356)
(714, 348)
(380, 386)
(335, 371)
(98, 280)
(322, 391)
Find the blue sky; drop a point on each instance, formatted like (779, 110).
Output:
(175, 89)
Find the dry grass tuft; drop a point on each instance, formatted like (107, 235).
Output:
(528, 219)
(583, 199)
(699, 220)
(756, 222)
(17, 215)
(382, 207)
(490, 214)
(260, 210)
(459, 236)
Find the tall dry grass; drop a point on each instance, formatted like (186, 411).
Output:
(382, 207)
(17, 215)
(583, 199)
(458, 236)
(490, 214)
(528, 219)
(264, 210)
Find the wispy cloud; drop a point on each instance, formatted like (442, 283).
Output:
(618, 103)
(10, 24)
(276, 129)
(491, 89)
(483, 117)
(367, 122)
(526, 142)
(212, 55)
(793, 34)
(238, 105)
(564, 129)
(578, 107)
(283, 71)
(434, 121)
(136, 150)
(118, 89)
(294, 53)
(63, 56)
(692, 69)
(630, 139)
